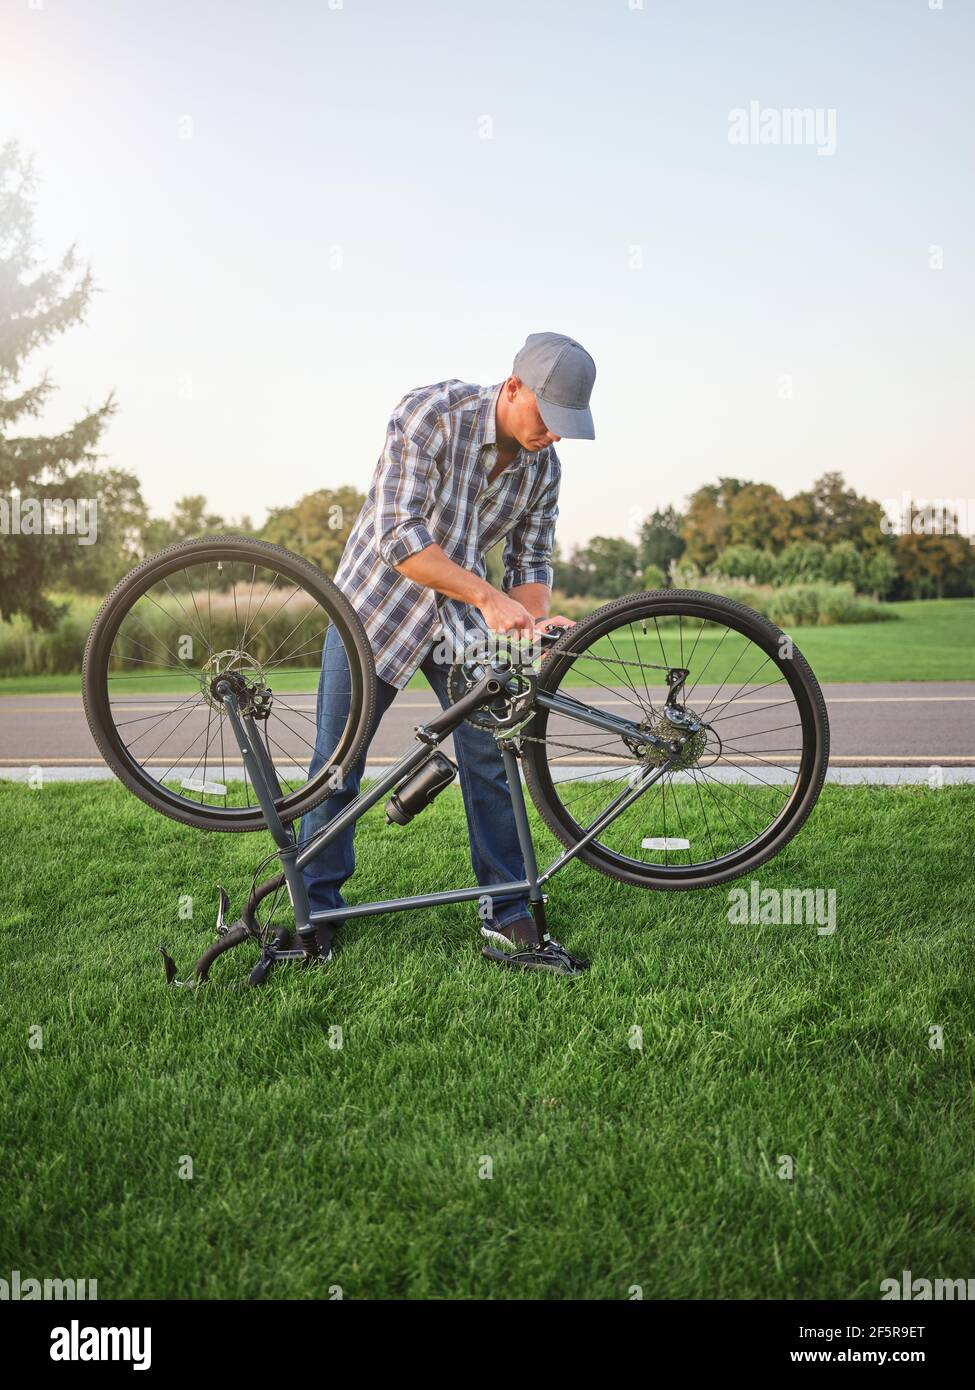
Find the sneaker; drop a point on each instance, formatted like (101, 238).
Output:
(517, 935)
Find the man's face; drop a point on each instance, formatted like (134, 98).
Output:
(524, 422)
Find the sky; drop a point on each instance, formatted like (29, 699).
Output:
(295, 213)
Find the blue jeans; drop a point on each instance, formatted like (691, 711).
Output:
(495, 852)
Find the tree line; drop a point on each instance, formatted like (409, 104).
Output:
(751, 531)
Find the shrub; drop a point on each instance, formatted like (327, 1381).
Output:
(801, 562)
(57, 651)
(747, 562)
(803, 605)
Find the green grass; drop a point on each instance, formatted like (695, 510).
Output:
(284, 681)
(612, 1167)
(931, 641)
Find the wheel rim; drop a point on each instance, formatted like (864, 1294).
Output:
(206, 615)
(734, 793)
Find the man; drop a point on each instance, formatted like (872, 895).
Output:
(462, 467)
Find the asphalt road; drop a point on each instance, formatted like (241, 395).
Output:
(910, 724)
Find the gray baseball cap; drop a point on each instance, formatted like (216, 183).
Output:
(561, 373)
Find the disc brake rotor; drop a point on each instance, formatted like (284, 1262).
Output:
(245, 674)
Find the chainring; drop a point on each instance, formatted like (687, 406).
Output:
(504, 710)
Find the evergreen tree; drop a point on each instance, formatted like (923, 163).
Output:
(38, 472)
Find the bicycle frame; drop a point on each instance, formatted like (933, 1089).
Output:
(428, 737)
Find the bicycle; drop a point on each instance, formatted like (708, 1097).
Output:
(681, 787)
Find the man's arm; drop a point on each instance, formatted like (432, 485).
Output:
(528, 573)
(406, 485)
(405, 494)
(435, 570)
(537, 598)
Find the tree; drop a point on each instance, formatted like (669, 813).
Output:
(660, 541)
(845, 563)
(746, 562)
(571, 576)
(879, 572)
(653, 577)
(759, 516)
(835, 512)
(802, 562)
(317, 526)
(123, 519)
(38, 473)
(705, 528)
(937, 564)
(190, 518)
(607, 567)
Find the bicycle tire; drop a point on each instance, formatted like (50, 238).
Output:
(228, 549)
(767, 637)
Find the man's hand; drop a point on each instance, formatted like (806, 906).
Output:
(504, 614)
(501, 612)
(555, 623)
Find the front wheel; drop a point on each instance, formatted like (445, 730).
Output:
(742, 785)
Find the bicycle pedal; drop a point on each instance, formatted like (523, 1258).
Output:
(169, 965)
(262, 969)
(552, 957)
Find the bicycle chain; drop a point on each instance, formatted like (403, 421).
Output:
(516, 734)
(616, 660)
(573, 747)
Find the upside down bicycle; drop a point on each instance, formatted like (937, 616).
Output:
(671, 740)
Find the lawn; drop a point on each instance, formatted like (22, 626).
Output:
(931, 641)
(613, 1166)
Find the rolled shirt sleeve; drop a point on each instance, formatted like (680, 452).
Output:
(406, 486)
(528, 545)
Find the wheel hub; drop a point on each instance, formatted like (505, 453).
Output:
(243, 673)
(690, 752)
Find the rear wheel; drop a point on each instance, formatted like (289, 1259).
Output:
(254, 615)
(742, 786)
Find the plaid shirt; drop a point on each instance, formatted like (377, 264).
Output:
(431, 486)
